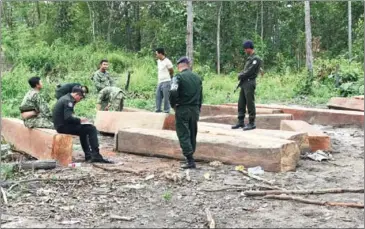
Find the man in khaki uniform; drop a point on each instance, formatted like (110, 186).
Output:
(113, 97)
(34, 110)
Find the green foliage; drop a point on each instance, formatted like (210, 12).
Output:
(6, 172)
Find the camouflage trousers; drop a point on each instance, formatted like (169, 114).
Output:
(117, 103)
(39, 122)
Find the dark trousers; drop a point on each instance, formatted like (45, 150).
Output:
(186, 118)
(88, 138)
(247, 98)
(162, 95)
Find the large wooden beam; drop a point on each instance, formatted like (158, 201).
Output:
(112, 121)
(268, 121)
(346, 104)
(321, 116)
(316, 140)
(273, 155)
(42, 144)
(222, 129)
(212, 110)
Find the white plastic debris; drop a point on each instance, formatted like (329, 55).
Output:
(319, 155)
(255, 170)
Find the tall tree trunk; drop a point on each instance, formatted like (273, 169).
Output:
(219, 38)
(38, 13)
(128, 26)
(262, 20)
(92, 19)
(349, 30)
(138, 29)
(189, 32)
(111, 10)
(256, 21)
(308, 38)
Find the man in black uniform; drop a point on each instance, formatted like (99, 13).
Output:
(66, 123)
(247, 80)
(186, 96)
(63, 89)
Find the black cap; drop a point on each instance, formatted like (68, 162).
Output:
(248, 44)
(78, 90)
(183, 59)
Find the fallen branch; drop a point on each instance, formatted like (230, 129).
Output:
(42, 179)
(304, 192)
(211, 222)
(316, 202)
(4, 196)
(260, 179)
(127, 170)
(239, 188)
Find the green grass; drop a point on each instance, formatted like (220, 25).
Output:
(65, 63)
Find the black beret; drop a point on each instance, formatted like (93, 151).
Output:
(248, 44)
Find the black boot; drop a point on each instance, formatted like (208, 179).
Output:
(238, 125)
(250, 126)
(87, 157)
(190, 163)
(96, 157)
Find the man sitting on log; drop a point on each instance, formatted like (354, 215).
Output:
(112, 98)
(66, 123)
(63, 89)
(34, 109)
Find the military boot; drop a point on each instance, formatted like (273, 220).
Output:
(96, 157)
(240, 124)
(250, 126)
(190, 163)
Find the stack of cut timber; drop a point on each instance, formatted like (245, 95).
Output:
(42, 144)
(112, 121)
(316, 140)
(321, 116)
(346, 104)
(263, 121)
(213, 110)
(272, 154)
(221, 129)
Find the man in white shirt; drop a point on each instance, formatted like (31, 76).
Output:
(165, 74)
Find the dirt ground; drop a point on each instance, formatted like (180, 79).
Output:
(156, 193)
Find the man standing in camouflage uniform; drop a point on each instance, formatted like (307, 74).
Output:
(247, 80)
(34, 110)
(101, 77)
(113, 97)
(186, 97)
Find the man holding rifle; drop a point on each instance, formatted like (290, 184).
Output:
(247, 84)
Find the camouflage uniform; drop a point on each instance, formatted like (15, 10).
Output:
(102, 80)
(34, 101)
(113, 96)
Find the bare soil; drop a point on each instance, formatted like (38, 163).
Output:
(156, 193)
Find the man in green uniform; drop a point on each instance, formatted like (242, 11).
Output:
(63, 89)
(101, 77)
(34, 110)
(247, 80)
(113, 97)
(186, 95)
(66, 123)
